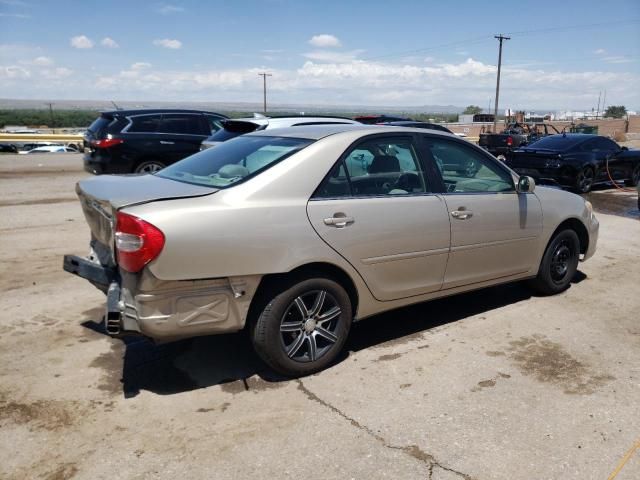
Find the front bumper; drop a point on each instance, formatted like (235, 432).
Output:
(167, 310)
(594, 229)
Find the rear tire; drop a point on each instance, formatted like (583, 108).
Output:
(584, 180)
(149, 166)
(303, 328)
(559, 263)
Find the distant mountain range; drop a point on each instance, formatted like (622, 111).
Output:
(9, 103)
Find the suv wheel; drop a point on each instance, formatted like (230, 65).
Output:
(303, 328)
(150, 166)
(559, 263)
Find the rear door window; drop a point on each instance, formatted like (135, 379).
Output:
(380, 166)
(145, 124)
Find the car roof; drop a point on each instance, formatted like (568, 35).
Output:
(147, 111)
(317, 132)
(293, 119)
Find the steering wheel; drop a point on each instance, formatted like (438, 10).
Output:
(408, 181)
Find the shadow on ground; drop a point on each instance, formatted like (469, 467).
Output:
(222, 359)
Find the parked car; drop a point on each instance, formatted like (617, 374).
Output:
(8, 148)
(295, 233)
(413, 124)
(145, 141)
(515, 135)
(50, 149)
(373, 119)
(25, 147)
(239, 126)
(577, 161)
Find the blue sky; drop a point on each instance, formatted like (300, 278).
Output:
(561, 55)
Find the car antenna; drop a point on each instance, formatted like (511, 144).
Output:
(115, 105)
(258, 115)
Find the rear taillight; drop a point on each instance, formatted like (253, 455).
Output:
(106, 142)
(137, 242)
(509, 141)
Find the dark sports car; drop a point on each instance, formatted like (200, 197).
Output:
(577, 161)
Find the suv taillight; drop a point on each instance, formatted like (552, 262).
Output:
(137, 242)
(509, 141)
(106, 142)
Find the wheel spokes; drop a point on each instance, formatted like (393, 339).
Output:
(291, 326)
(313, 347)
(329, 315)
(318, 303)
(295, 346)
(302, 307)
(326, 334)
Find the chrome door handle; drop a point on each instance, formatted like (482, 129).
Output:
(461, 214)
(164, 142)
(339, 221)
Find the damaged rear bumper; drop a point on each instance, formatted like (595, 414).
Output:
(167, 310)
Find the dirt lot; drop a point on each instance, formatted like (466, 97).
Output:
(496, 384)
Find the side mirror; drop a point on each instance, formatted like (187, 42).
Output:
(525, 185)
(625, 149)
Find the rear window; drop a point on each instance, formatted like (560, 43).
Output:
(100, 124)
(555, 142)
(234, 161)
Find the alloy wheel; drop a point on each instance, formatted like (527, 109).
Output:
(309, 326)
(149, 167)
(585, 180)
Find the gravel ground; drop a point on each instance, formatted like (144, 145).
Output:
(494, 384)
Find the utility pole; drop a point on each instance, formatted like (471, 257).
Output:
(495, 111)
(604, 109)
(264, 76)
(50, 114)
(598, 109)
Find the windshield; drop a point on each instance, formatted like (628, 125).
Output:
(233, 161)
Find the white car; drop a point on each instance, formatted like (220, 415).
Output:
(51, 149)
(239, 126)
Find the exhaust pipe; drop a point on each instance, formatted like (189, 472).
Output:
(112, 319)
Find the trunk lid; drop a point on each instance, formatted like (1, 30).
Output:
(101, 197)
(530, 157)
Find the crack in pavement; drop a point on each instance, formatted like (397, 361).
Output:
(412, 450)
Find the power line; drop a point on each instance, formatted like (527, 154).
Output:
(573, 27)
(487, 37)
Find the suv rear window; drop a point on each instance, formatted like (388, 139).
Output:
(100, 124)
(234, 161)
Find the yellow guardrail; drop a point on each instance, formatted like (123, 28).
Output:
(39, 137)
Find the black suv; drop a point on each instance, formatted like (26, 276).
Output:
(145, 141)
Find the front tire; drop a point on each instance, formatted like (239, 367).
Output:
(303, 328)
(559, 263)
